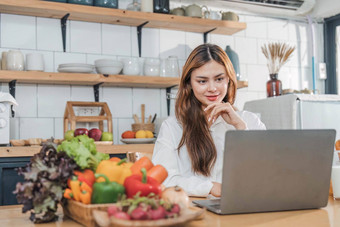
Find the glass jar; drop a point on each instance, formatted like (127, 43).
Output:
(107, 3)
(161, 6)
(169, 67)
(274, 86)
(134, 6)
(81, 2)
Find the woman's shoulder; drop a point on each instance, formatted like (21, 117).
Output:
(252, 120)
(172, 122)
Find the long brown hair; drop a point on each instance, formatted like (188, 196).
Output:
(196, 135)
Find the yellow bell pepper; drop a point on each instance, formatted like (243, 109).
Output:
(115, 171)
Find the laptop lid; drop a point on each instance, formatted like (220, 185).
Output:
(276, 170)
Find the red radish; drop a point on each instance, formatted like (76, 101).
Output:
(139, 214)
(122, 215)
(158, 213)
(111, 210)
(176, 209)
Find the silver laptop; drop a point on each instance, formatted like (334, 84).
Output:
(274, 170)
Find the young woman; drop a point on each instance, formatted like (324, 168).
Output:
(191, 145)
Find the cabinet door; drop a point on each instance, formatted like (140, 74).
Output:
(9, 178)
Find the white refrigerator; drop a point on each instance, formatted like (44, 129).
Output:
(298, 111)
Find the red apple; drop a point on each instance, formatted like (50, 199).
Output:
(81, 131)
(95, 134)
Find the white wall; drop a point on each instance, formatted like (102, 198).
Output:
(41, 107)
(326, 8)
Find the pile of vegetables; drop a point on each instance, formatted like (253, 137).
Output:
(83, 150)
(76, 171)
(116, 179)
(149, 207)
(45, 179)
(48, 172)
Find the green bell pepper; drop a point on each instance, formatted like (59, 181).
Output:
(106, 192)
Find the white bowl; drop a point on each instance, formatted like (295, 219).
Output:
(109, 69)
(108, 62)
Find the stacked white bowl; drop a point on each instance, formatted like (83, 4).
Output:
(108, 66)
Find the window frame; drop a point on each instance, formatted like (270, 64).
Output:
(330, 25)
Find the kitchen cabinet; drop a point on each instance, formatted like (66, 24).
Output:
(9, 178)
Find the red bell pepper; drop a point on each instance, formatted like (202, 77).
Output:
(86, 176)
(143, 184)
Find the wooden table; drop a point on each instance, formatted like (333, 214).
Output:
(328, 216)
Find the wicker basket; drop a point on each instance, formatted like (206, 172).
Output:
(82, 213)
(136, 127)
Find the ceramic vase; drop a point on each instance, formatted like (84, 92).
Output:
(233, 56)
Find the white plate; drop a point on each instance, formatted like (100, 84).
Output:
(136, 141)
(82, 65)
(75, 70)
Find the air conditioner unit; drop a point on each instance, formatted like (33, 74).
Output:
(272, 7)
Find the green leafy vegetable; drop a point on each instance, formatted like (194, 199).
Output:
(45, 179)
(83, 150)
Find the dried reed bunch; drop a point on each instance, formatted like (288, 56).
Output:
(277, 55)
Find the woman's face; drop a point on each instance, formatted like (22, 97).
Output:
(209, 83)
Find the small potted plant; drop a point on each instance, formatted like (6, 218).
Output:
(277, 55)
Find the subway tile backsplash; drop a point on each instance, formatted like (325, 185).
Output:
(41, 107)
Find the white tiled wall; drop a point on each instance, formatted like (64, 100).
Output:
(41, 107)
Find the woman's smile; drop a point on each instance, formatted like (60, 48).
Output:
(212, 97)
(209, 83)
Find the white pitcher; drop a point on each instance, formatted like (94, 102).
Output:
(15, 60)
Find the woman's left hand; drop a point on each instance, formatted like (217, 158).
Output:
(227, 112)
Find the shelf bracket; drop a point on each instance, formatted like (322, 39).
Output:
(168, 98)
(63, 21)
(96, 91)
(139, 36)
(12, 85)
(205, 34)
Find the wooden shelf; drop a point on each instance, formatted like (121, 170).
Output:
(119, 17)
(6, 152)
(32, 77)
(87, 79)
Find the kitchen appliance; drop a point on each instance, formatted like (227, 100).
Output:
(298, 111)
(6, 100)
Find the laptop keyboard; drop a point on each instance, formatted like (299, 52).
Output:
(216, 203)
(216, 206)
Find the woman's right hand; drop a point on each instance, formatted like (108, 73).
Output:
(216, 189)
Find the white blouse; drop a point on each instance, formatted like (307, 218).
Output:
(178, 164)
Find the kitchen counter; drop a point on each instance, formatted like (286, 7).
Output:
(28, 151)
(328, 216)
